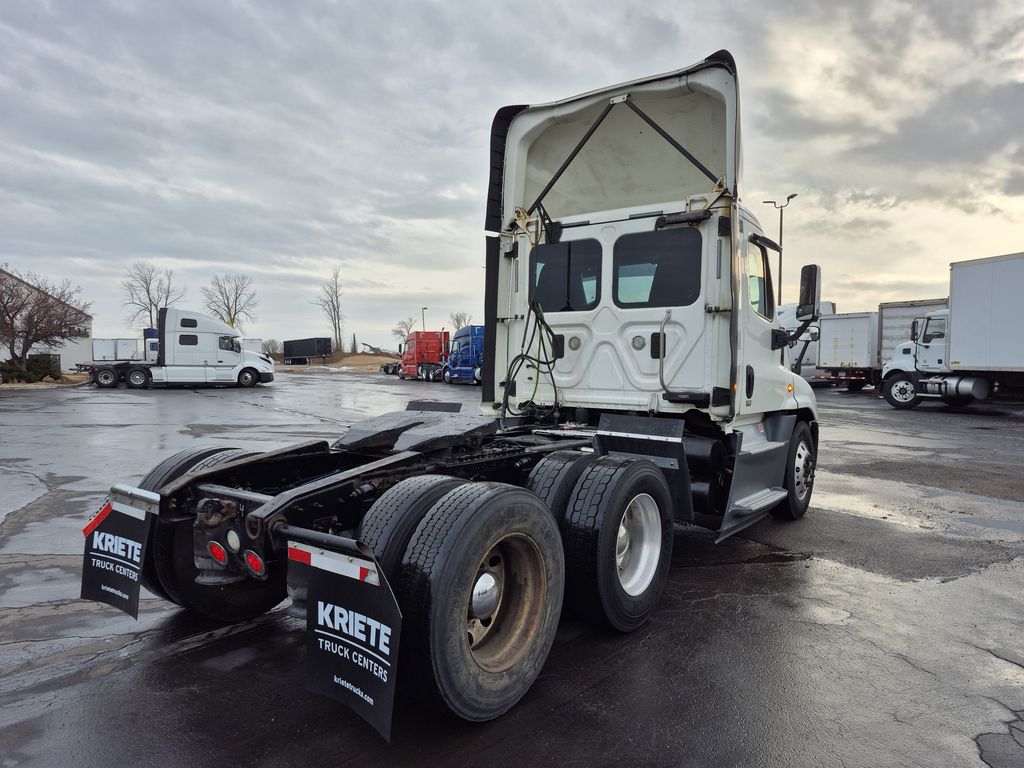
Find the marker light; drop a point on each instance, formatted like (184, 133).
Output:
(234, 542)
(217, 552)
(789, 387)
(254, 563)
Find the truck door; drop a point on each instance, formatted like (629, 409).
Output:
(761, 378)
(224, 368)
(931, 347)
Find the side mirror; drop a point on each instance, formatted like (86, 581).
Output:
(809, 305)
(815, 335)
(401, 349)
(913, 331)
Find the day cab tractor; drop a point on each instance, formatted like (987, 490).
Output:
(634, 377)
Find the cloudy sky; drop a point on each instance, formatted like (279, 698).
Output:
(283, 139)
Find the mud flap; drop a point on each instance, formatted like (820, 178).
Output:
(353, 626)
(115, 544)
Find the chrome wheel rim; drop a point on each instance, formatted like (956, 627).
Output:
(138, 378)
(803, 470)
(638, 544)
(903, 391)
(105, 377)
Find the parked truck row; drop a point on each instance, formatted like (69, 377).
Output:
(433, 356)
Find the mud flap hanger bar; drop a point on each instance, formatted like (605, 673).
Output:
(623, 99)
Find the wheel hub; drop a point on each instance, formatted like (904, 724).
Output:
(638, 544)
(486, 594)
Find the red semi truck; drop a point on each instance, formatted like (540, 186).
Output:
(423, 355)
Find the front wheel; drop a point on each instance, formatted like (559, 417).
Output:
(618, 532)
(900, 392)
(799, 481)
(248, 378)
(481, 594)
(447, 376)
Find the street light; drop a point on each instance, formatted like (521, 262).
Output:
(780, 207)
(423, 316)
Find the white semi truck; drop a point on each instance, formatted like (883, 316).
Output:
(970, 350)
(633, 378)
(187, 348)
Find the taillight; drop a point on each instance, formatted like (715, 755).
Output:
(217, 552)
(254, 563)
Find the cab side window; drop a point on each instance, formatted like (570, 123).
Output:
(759, 283)
(225, 343)
(188, 340)
(936, 329)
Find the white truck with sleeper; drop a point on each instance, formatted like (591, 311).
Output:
(188, 348)
(633, 378)
(970, 350)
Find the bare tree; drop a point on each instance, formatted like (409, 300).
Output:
(403, 328)
(460, 320)
(36, 310)
(354, 349)
(147, 289)
(271, 347)
(329, 301)
(231, 298)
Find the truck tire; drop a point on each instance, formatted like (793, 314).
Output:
(401, 373)
(389, 524)
(618, 541)
(477, 375)
(248, 377)
(799, 480)
(899, 391)
(137, 378)
(107, 377)
(481, 595)
(447, 376)
(554, 478)
(169, 553)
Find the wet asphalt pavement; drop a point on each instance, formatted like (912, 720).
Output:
(886, 628)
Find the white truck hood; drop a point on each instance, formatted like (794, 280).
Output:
(626, 162)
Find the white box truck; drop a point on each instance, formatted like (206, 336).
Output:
(894, 321)
(186, 348)
(804, 350)
(848, 348)
(973, 348)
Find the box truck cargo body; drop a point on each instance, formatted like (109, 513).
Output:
(970, 350)
(848, 347)
(895, 319)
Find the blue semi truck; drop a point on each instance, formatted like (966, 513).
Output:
(466, 357)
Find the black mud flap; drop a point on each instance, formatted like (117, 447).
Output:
(115, 544)
(353, 626)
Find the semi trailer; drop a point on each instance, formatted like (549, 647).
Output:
(301, 351)
(968, 351)
(633, 378)
(465, 358)
(186, 348)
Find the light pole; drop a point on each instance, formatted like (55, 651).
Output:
(778, 300)
(423, 316)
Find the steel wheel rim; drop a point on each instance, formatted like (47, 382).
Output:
(803, 470)
(246, 378)
(138, 378)
(105, 377)
(505, 604)
(903, 391)
(638, 544)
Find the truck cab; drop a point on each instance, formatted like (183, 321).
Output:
(466, 356)
(424, 354)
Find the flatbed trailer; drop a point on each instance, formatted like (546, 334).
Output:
(633, 378)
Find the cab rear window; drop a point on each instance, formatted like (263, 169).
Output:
(657, 269)
(566, 277)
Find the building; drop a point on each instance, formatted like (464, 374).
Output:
(76, 349)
